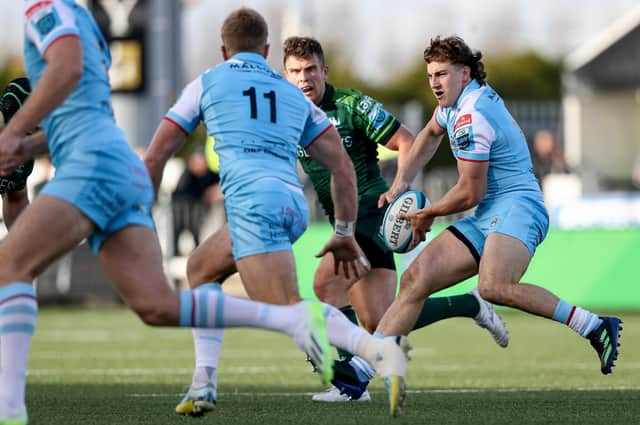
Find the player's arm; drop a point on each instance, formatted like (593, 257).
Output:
(63, 71)
(327, 150)
(422, 150)
(401, 142)
(166, 141)
(466, 193)
(180, 121)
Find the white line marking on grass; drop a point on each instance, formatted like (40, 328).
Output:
(434, 391)
(154, 371)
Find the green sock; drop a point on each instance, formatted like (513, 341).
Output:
(348, 311)
(438, 308)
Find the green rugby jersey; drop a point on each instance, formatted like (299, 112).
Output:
(362, 124)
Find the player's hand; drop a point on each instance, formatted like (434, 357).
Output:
(397, 188)
(346, 250)
(11, 152)
(421, 222)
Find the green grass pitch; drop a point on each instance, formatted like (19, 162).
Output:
(103, 366)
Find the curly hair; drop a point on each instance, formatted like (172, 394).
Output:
(453, 49)
(302, 47)
(244, 30)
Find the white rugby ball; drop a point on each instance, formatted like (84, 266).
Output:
(397, 232)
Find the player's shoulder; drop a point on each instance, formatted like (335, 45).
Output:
(346, 95)
(354, 100)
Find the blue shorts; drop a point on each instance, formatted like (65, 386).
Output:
(110, 185)
(521, 217)
(268, 216)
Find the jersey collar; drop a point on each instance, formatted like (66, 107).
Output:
(327, 99)
(473, 85)
(250, 57)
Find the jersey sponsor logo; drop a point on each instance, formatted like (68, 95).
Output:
(364, 105)
(37, 6)
(378, 116)
(301, 153)
(462, 121)
(347, 141)
(462, 138)
(335, 121)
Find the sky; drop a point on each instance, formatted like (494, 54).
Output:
(380, 40)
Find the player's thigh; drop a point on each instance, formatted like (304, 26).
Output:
(46, 229)
(132, 260)
(504, 261)
(444, 262)
(270, 277)
(372, 295)
(212, 260)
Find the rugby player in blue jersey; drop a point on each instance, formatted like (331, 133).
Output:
(259, 121)
(499, 239)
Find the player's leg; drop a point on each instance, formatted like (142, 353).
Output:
(45, 230)
(333, 289)
(281, 284)
(444, 262)
(505, 260)
(211, 261)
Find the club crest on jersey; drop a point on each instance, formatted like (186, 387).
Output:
(378, 116)
(462, 121)
(45, 20)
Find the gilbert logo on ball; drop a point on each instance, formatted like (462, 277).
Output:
(397, 232)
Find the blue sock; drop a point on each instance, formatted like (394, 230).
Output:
(562, 312)
(580, 320)
(18, 315)
(193, 310)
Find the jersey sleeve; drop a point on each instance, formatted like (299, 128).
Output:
(473, 137)
(374, 121)
(441, 118)
(316, 125)
(185, 113)
(46, 21)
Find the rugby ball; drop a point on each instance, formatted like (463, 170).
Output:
(397, 232)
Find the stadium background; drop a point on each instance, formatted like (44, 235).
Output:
(100, 365)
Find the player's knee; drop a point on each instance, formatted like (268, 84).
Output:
(412, 285)
(494, 293)
(195, 272)
(321, 289)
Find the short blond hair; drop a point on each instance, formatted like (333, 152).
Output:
(244, 30)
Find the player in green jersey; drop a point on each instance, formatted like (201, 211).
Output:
(363, 124)
(13, 186)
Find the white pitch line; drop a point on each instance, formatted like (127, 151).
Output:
(434, 391)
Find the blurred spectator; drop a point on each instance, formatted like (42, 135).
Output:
(197, 190)
(548, 157)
